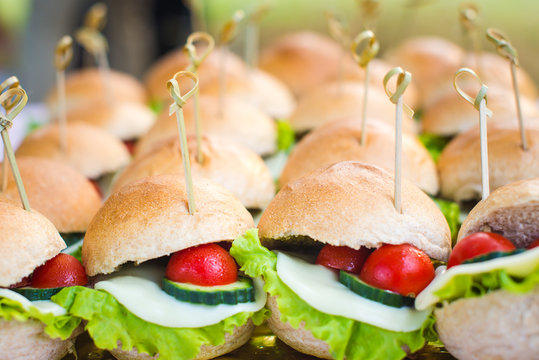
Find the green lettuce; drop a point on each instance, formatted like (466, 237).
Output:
(475, 285)
(55, 326)
(451, 211)
(435, 144)
(109, 322)
(285, 136)
(346, 337)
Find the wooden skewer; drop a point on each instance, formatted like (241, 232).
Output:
(370, 49)
(176, 107)
(479, 103)
(62, 58)
(252, 33)
(403, 80)
(10, 83)
(18, 97)
(340, 32)
(469, 19)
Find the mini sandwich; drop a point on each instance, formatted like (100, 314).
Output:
(508, 162)
(340, 141)
(356, 302)
(488, 298)
(336, 101)
(172, 291)
(240, 122)
(61, 194)
(31, 271)
(230, 165)
(91, 151)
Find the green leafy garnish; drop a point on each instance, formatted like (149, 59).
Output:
(285, 135)
(451, 211)
(434, 144)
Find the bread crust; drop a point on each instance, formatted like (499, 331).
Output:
(59, 192)
(351, 203)
(28, 240)
(497, 325)
(90, 150)
(149, 219)
(340, 141)
(460, 162)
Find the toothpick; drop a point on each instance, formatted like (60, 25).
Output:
(505, 49)
(403, 80)
(479, 103)
(10, 83)
(370, 10)
(252, 34)
(469, 18)
(176, 107)
(62, 58)
(340, 32)
(367, 39)
(228, 33)
(18, 97)
(196, 60)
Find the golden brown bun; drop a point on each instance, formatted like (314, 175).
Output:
(351, 203)
(459, 164)
(260, 89)
(450, 114)
(300, 339)
(27, 340)
(126, 120)
(303, 60)
(57, 191)
(429, 60)
(512, 211)
(233, 341)
(27, 241)
(230, 165)
(90, 150)
(333, 102)
(240, 122)
(340, 141)
(149, 219)
(209, 71)
(85, 86)
(497, 325)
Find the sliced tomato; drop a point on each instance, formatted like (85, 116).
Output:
(62, 270)
(478, 244)
(205, 265)
(343, 258)
(533, 244)
(403, 269)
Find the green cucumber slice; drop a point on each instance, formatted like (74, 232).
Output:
(493, 255)
(241, 291)
(35, 294)
(367, 291)
(72, 238)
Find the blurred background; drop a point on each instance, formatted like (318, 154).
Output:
(139, 31)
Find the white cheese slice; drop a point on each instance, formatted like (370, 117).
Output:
(518, 265)
(146, 300)
(320, 288)
(43, 306)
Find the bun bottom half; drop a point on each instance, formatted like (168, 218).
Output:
(233, 341)
(498, 325)
(27, 340)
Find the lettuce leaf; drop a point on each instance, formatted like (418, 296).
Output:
(467, 286)
(434, 144)
(285, 136)
(110, 323)
(451, 211)
(55, 326)
(346, 337)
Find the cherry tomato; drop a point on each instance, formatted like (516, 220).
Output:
(343, 258)
(403, 269)
(62, 270)
(130, 145)
(478, 244)
(533, 244)
(205, 265)
(24, 282)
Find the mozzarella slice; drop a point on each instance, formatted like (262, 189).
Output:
(518, 265)
(43, 306)
(320, 288)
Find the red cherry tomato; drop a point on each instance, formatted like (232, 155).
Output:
(478, 244)
(62, 270)
(343, 258)
(403, 269)
(533, 244)
(205, 265)
(130, 145)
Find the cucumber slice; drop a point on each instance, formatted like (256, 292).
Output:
(72, 238)
(241, 291)
(367, 291)
(493, 255)
(35, 294)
